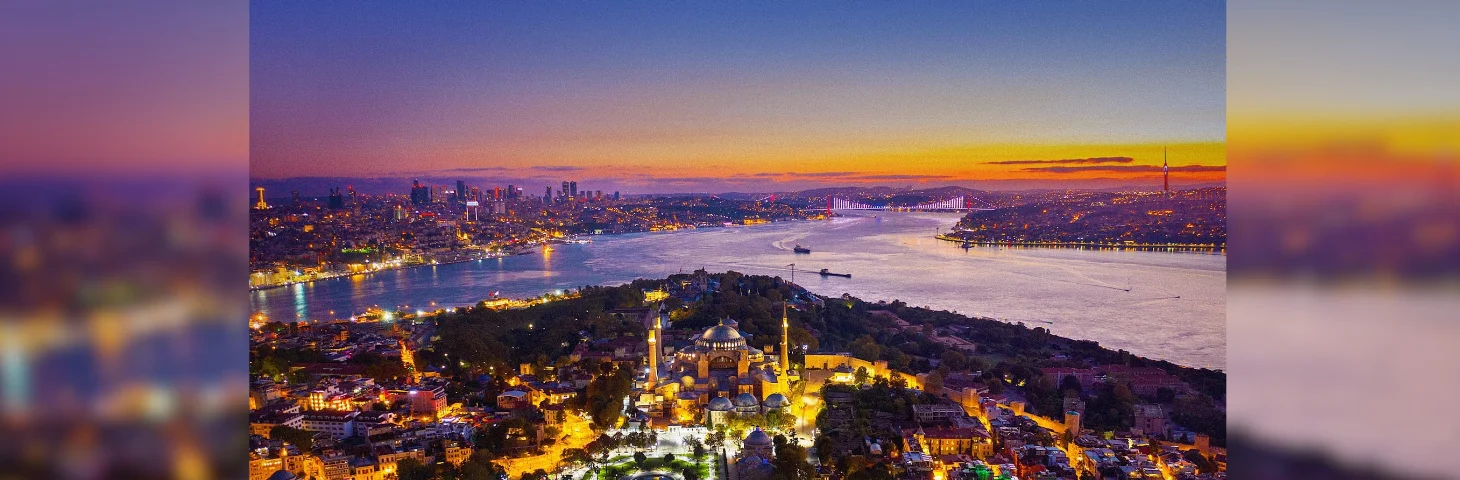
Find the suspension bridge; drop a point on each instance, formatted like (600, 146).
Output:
(958, 203)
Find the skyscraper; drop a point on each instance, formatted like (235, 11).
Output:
(547, 196)
(420, 195)
(296, 197)
(565, 191)
(573, 190)
(336, 201)
(511, 191)
(461, 191)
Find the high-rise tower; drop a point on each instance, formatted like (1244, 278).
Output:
(1165, 173)
(261, 205)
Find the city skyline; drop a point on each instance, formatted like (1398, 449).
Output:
(674, 99)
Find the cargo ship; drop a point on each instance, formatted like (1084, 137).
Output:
(801, 249)
(825, 273)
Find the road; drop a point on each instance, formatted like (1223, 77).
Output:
(579, 434)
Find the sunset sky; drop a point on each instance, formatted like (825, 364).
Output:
(702, 96)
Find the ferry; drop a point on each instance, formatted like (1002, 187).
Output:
(801, 249)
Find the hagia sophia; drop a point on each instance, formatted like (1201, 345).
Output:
(719, 375)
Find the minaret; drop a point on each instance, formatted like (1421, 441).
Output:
(653, 356)
(1165, 173)
(785, 341)
(654, 350)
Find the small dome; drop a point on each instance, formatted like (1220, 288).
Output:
(721, 404)
(776, 400)
(843, 368)
(746, 400)
(283, 475)
(757, 437)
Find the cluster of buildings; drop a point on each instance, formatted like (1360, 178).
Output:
(351, 233)
(360, 428)
(1189, 218)
(350, 441)
(351, 426)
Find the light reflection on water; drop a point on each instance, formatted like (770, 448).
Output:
(1159, 304)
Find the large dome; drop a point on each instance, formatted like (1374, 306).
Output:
(721, 333)
(776, 400)
(746, 400)
(721, 337)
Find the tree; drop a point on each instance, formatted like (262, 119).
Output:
(1122, 392)
(1070, 386)
(479, 468)
(790, 463)
(933, 383)
(412, 469)
(866, 348)
(668, 458)
(576, 456)
(862, 376)
(1165, 395)
(716, 439)
(878, 471)
(954, 360)
(689, 474)
(1203, 464)
(697, 446)
(639, 459)
(299, 438)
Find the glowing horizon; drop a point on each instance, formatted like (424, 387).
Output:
(740, 97)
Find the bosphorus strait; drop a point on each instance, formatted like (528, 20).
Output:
(1163, 305)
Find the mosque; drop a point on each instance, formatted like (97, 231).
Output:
(717, 376)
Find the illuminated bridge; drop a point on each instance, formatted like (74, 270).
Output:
(960, 203)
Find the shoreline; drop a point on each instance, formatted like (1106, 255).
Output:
(1179, 247)
(517, 251)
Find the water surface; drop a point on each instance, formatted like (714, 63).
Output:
(1165, 305)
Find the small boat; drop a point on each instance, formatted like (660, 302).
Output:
(801, 249)
(825, 273)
